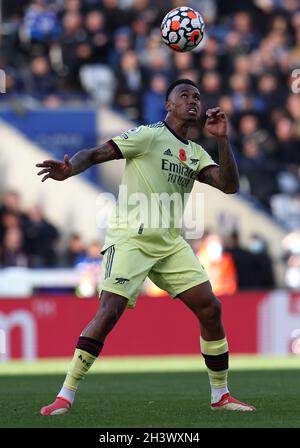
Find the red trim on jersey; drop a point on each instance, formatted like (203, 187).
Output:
(116, 149)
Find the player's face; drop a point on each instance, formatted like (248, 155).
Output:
(184, 103)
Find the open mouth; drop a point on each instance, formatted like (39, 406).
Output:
(192, 111)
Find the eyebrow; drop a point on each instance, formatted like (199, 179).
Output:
(186, 91)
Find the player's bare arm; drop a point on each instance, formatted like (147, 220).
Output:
(225, 177)
(81, 161)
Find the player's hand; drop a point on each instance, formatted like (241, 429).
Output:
(54, 169)
(216, 122)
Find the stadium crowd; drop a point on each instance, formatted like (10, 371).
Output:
(28, 239)
(55, 52)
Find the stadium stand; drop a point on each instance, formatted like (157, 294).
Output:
(109, 52)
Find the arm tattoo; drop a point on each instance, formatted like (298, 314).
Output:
(85, 158)
(209, 175)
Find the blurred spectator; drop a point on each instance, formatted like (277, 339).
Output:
(263, 271)
(251, 130)
(242, 24)
(129, 85)
(253, 264)
(11, 202)
(191, 74)
(91, 255)
(40, 239)
(260, 172)
(40, 22)
(226, 8)
(212, 46)
(248, 125)
(140, 28)
(72, 5)
(218, 264)
(293, 108)
(89, 266)
(9, 220)
(97, 36)
(75, 250)
(209, 62)
(13, 223)
(154, 100)
(287, 147)
(211, 87)
(240, 88)
(226, 104)
(234, 45)
(295, 50)
(28, 239)
(208, 9)
(70, 47)
(151, 10)
(155, 58)
(11, 214)
(12, 254)
(286, 209)
(242, 64)
(157, 63)
(270, 92)
(40, 80)
(14, 8)
(122, 43)
(243, 261)
(182, 62)
(114, 16)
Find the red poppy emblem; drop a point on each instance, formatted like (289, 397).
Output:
(182, 155)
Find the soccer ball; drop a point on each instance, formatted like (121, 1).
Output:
(182, 29)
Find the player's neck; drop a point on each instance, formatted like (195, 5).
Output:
(180, 127)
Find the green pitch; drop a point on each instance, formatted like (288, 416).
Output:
(168, 392)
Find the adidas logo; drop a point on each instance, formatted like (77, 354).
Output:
(168, 152)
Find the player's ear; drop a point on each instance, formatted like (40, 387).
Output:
(169, 105)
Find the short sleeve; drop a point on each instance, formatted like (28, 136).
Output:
(205, 161)
(132, 143)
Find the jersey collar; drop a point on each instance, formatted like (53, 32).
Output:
(183, 140)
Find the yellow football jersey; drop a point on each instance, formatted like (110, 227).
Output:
(160, 171)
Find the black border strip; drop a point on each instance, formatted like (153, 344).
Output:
(107, 263)
(111, 258)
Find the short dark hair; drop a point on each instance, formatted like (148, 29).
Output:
(177, 83)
